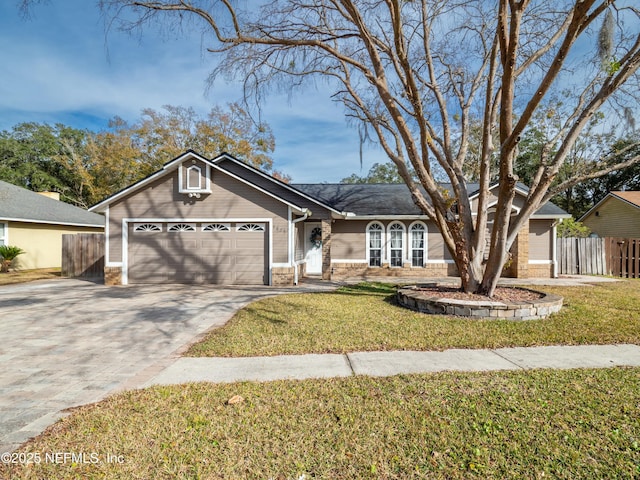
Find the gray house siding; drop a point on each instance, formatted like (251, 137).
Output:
(229, 198)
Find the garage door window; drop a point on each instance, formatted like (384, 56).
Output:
(216, 227)
(147, 227)
(251, 227)
(182, 227)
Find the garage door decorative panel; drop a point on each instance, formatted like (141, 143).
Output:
(198, 253)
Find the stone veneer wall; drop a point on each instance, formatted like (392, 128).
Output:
(112, 275)
(540, 270)
(282, 276)
(325, 225)
(429, 303)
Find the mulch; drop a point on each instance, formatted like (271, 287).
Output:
(502, 294)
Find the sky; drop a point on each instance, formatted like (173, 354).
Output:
(60, 66)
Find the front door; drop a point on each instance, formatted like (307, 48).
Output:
(313, 248)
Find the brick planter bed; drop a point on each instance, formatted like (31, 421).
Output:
(426, 299)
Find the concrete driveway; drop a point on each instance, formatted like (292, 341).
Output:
(68, 342)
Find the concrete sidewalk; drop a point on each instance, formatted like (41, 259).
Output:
(377, 364)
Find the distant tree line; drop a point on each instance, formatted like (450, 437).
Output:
(86, 166)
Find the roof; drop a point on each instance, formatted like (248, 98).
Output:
(233, 167)
(386, 199)
(632, 198)
(342, 200)
(22, 205)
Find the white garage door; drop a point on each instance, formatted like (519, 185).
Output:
(220, 253)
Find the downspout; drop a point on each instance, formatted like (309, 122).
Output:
(293, 244)
(554, 247)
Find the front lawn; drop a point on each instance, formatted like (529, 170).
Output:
(364, 318)
(509, 425)
(23, 276)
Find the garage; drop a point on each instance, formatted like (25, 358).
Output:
(218, 252)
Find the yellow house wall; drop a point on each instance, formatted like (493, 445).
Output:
(41, 242)
(616, 219)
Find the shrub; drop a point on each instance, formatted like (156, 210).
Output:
(8, 253)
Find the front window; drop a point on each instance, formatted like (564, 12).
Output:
(396, 247)
(417, 244)
(375, 245)
(3, 234)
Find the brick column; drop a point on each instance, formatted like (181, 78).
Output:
(326, 249)
(521, 252)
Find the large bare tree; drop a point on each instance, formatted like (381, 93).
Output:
(418, 74)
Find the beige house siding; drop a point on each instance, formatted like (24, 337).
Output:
(299, 242)
(437, 250)
(616, 218)
(262, 181)
(229, 198)
(41, 242)
(349, 239)
(540, 241)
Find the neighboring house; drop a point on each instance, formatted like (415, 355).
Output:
(221, 221)
(616, 215)
(35, 223)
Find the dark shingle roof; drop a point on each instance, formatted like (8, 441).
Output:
(364, 199)
(17, 203)
(386, 199)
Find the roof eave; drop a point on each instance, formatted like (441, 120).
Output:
(50, 222)
(226, 156)
(104, 204)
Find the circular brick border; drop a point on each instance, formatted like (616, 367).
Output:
(411, 297)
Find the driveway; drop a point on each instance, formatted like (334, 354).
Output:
(66, 343)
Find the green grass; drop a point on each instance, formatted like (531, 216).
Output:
(527, 424)
(364, 318)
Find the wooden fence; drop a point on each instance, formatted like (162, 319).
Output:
(83, 255)
(582, 256)
(624, 256)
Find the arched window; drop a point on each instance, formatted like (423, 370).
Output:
(396, 244)
(182, 227)
(417, 238)
(215, 227)
(374, 244)
(147, 227)
(250, 227)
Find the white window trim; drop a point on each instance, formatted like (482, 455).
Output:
(410, 248)
(189, 186)
(403, 237)
(183, 185)
(382, 240)
(4, 240)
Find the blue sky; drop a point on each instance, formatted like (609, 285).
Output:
(59, 65)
